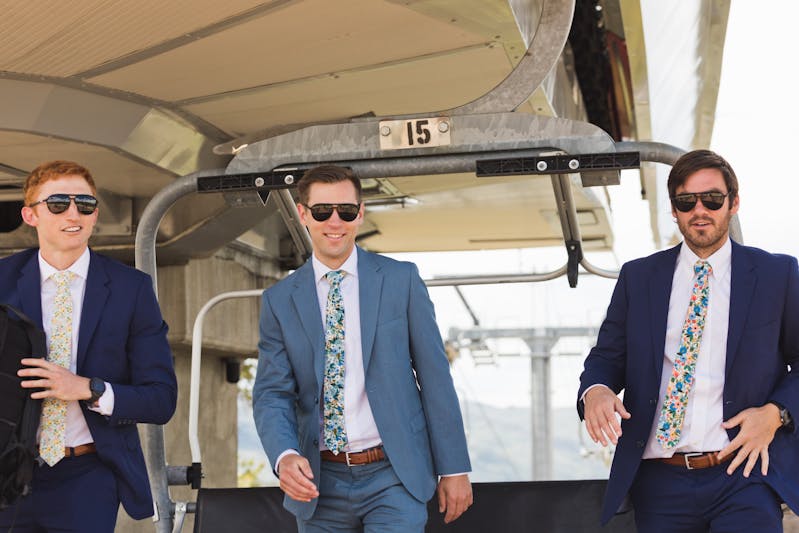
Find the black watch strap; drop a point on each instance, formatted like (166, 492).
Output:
(97, 389)
(785, 415)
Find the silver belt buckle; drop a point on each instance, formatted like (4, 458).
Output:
(687, 456)
(347, 457)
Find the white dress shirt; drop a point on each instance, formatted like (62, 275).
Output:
(358, 420)
(359, 423)
(77, 432)
(701, 429)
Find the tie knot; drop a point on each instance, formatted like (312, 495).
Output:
(334, 277)
(62, 278)
(702, 268)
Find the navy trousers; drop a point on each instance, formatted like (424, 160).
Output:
(367, 498)
(673, 499)
(77, 495)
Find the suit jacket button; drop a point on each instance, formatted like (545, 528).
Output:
(316, 400)
(316, 442)
(652, 401)
(640, 443)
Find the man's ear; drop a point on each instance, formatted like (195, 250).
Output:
(303, 213)
(734, 206)
(29, 216)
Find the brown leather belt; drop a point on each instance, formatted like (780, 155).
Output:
(355, 458)
(694, 461)
(83, 449)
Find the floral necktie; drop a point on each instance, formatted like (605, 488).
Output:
(672, 415)
(54, 411)
(335, 436)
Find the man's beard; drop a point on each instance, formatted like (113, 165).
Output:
(709, 239)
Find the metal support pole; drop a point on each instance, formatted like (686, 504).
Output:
(540, 415)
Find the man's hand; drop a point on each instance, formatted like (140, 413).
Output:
(454, 496)
(601, 408)
(295, 478)
(57, 381)
(758, 426)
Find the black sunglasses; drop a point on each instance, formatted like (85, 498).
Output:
(58, 203)
(711, 200)
(346, 212)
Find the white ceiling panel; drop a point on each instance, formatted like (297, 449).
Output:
(64, 38)
(309, 38)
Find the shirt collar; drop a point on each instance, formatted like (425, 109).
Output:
(80, 267)
(350, 266)
(719, 261)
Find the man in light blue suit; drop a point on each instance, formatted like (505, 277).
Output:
(119, 365)
(353, 399)
(708, 445)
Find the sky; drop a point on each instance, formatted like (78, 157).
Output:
(757, 120)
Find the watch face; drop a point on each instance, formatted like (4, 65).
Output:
(97, 387)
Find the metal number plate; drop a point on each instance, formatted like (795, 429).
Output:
(414, 133)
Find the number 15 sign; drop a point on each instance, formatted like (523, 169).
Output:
(414, 133)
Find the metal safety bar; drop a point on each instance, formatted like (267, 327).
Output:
(155, 210)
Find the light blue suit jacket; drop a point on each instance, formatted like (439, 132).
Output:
(407, 377)
(761, 360)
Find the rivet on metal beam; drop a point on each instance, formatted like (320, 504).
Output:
(541, 166)
(259, 182)
(443, 127)
(289, 179)
(385, 131)
(574, 164)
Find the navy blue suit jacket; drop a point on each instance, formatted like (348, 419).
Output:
(763, 341)
(407, 375)
(122, 340)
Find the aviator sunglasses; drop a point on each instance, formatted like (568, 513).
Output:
(712, 200)
(346, 212)
(58, 203)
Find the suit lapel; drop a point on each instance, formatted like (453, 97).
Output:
(93, 304)
(370, 284)
(659, 295)
(306, 305)
(29, 288)
(743, 279)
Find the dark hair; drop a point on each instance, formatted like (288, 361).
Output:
(698, 160)
(53, 170)
(326, 174)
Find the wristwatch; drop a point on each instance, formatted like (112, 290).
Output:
(785, 416)
(97, 388)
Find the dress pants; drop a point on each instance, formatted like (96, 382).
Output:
(672, 499)
(77, 495)
(367, 498)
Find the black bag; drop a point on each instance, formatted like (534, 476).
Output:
(19, 413)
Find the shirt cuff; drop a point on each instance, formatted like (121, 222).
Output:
(458, 474)
(105, 404)
(582, 398)
(281, 456)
